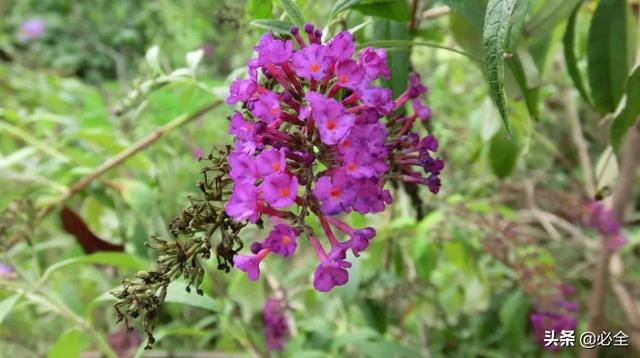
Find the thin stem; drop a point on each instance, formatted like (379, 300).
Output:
(581, 144)
(621, 197)
(405, 43)
(126, 154)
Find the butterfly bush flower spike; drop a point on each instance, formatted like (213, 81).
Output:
(316, 136)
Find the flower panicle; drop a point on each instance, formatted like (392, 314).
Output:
(315, 136)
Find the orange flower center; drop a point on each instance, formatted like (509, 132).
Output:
(275, 167)
(335, 192)
(343, 78)
(346, 143)
(314, 67)
(284, 192)
(286, 239)
(274, 110)
(331, 124)
(351, 166)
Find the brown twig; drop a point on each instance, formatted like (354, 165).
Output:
(126, 154)
(413, 24)
(580, 143)
(621, 196)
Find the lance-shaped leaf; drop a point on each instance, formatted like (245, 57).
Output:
(503, 20)
(608, 54)
(293, 11)
(627, 115)
(570, 55)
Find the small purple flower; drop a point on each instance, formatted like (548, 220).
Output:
(434, 183)
(243, 203)
(267, 107)
(423, 112)
(360, 239)
(312, 62)
(271, 162)
(329, 274)
(380, 99)
(416, 88)
(363, 164)
(350, 75)
(241, 91)
(273, 51)
(370, 198)
(544, 321)
(196, 152)
(31, 30)
(250, 264)
(241, 128)
(276, 328)
(280, 190)
(332, 122)
(243, 168)
(603, 219)
(375, 63)
(342, 47)
(335, 193)
(6, 271)
(282, 240)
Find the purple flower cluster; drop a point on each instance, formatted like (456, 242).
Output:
(276, 328)
(31, 30)
(6, 271)
(604, 221)
(554, 313)
(310, 139)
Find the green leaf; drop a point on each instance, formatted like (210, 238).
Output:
(526, 75)
(503, 154)
(503, 19)
(260, 9)
(375, 314)
(69, 344)
(7, 305)
(513, 316)
(608, 54)
(177, 293)
(118, 259)
(628, 115)
(552, 13)
(275, 26)
(386, 349)
(569, 43)
(397, 60)
(397, 10)
(342, 5)
(293, 11)
(472, 11)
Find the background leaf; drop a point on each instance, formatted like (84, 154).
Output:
(275, 26)
(503, 154)
(7, 304)
(260, 9)
(342, 5)
(500, 18)
(570, 58)
(293, 11)
(177, 292)
(608, 54)
(630, 111)
(69, 344)
(397, 10)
